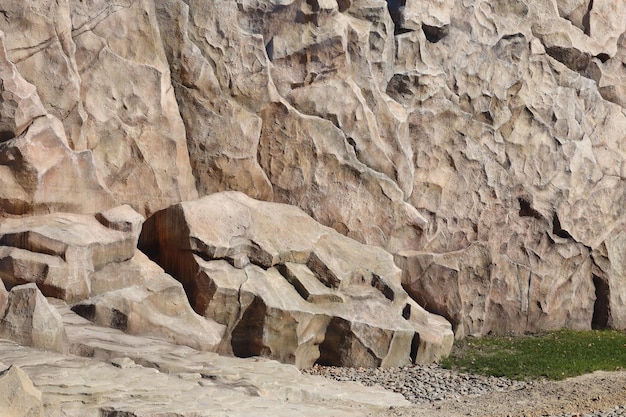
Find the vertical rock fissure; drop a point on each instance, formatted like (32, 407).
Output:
(601, 307)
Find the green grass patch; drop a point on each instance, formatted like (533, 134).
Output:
(553, 355)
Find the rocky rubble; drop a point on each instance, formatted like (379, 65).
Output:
(421, 383)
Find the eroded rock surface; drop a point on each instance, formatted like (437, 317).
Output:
(139, 376)
(290, 289)
(18, 396)
(63, 253)
(481, 143)
(157, 307)
(29, 320)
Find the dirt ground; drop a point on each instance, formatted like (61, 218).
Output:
(600, 391)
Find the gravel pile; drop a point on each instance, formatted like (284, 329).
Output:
(615, 412)
(420, 384)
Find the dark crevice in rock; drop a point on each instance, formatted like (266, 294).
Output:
(352, 143)
(527, 210)
(119, 320)
(344, 5)
(6, 135)
(406, 312)
(381, 285)
(586, 19)
(415, 344)
(558, 230)
(334, 347)
(293, 280)
(435, 33)
(86, 311)
(341, 346)
(603, 57)
(323, 273)
(269, 49)
(570, 57)
(247, 336)
(601, 307)
(395, 8)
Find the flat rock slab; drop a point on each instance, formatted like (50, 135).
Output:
(140, 376)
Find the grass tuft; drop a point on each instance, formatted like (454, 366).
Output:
(552, 355)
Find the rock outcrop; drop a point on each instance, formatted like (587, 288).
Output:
(288, 288)
(466, 161)
(480, 143)
(29, 320)
(158, 308)
(18, 396)
(64, 253)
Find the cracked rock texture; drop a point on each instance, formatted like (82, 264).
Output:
(305, 297)
(343, 182)
(481, 143)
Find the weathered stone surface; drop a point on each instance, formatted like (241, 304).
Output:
(4, 297)
(139, 376)
(40, 173)
(484, 135)
(159, 308)
(113, 95)
(290, 289)
(30, 320)
(18, 396)
(59, 252)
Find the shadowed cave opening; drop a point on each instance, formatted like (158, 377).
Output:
(601, 307)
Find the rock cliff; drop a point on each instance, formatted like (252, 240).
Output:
(477, 145)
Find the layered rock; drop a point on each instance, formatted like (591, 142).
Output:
(63, 253)
(290, 289)
(478, 141)
(158, 308)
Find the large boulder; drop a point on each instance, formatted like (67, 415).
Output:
(29, 320)
(286, 287)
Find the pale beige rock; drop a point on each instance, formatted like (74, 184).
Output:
(18, 396)
(118, 275)
(29, 320)
(4, 296)
(288, 288)
(68, 254)
(113, 96)
(19, 102)
(159, 308)
(40, 173)
(141, 376)
(485, 139)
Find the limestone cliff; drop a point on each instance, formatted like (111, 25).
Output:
(482, 143)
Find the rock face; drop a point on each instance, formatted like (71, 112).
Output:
(290, 289)
(474, 149)
(481, 143)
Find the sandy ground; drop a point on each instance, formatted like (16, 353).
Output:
(600, 391)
